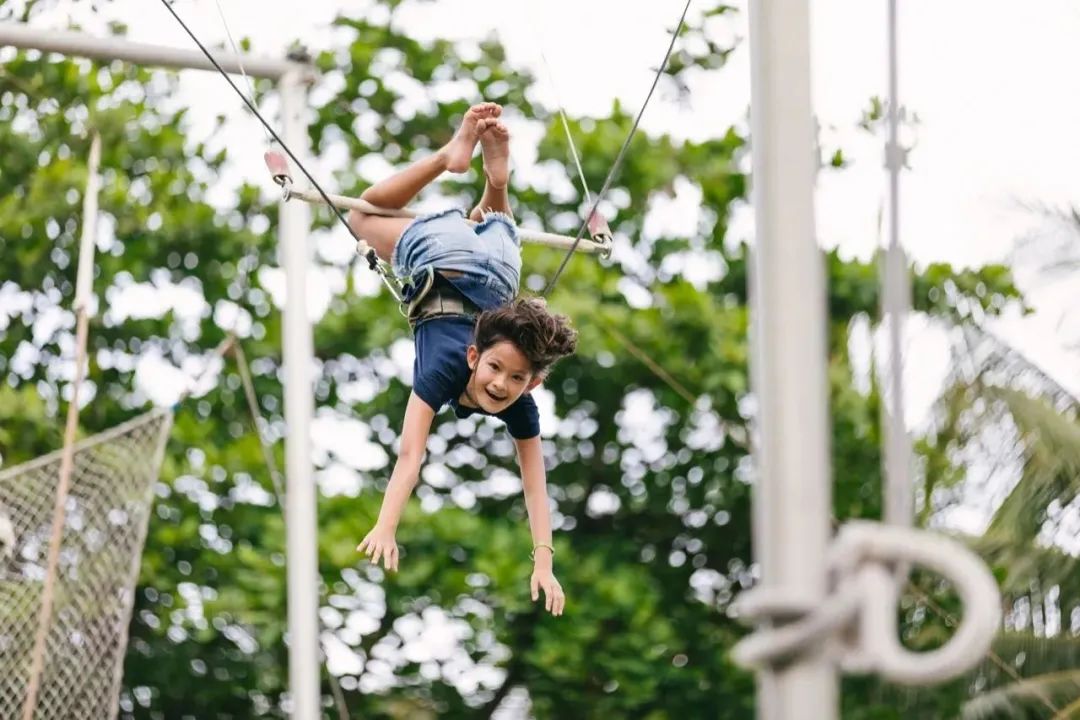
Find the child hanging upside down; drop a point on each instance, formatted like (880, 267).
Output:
(478, 347)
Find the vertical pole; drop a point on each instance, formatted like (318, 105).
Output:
(792, 499)
(300, 525)
(895, 301)
(83, 287)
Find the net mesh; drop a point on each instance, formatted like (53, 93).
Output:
(107, 512)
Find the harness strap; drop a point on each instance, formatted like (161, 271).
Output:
(435, 296)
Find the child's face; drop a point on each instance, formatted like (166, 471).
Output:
(500, 376)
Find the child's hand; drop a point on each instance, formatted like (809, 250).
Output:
(381, 544)
(554, 600)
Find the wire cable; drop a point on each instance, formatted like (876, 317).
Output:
(622, 153)
(265, 124)
(558, 102)
(239, 58)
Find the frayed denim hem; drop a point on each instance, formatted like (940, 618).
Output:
(416, 221)
(494, 216)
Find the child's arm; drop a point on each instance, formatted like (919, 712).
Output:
(414, 434)
(534, 484)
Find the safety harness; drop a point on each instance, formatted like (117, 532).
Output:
(432, 295)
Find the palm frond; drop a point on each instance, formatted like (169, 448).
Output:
(1000, 410)
(1020, 566)
(1055, 248)
(1051, 464)
(1034, 656)
(984, 359)
(1028, 698)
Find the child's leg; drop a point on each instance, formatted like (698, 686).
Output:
(494, 200)
(396, 191)
(495, 144)
(378, 231)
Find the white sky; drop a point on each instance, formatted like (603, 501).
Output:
(990, 81)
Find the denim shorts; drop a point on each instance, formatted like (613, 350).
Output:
(487, 255)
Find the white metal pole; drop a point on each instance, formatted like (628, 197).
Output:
(84, 278)
(896, 300)
(792, 499)
(303, 588)
(301, 529)
(21, 35)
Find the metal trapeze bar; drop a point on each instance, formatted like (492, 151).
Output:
(279, 170)
(105, 49)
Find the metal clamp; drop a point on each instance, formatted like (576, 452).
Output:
(600, 233)
(279, 170)
(857, 621)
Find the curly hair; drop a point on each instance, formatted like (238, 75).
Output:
(540, 335)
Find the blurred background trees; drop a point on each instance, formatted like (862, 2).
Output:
(647, 454)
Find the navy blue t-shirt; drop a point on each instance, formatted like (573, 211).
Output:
(441, 372)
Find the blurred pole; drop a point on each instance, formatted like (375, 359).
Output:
(107, 49)
(300, 525)
(84, 282)
(792, 498)
(895, 303)
(303, 579)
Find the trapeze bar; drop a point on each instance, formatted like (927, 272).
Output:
(75, 44)
(598, 228)
(535, 237)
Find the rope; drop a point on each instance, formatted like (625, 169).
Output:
(656, 368)
(219, 351)
(629, 346)
(833, 617)
(67, 461)
(255, 111)
(559, 104)
(277, 479)
(239, 57)
(622, 153)
(570, 141)
(864, 599)
(231, 343)
(256, 416)
(836, 614)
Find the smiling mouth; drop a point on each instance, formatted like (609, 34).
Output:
(495, 397)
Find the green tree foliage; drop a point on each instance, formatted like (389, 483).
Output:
(651, 492)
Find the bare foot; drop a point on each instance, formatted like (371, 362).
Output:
(459, 151)
(495, 144)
